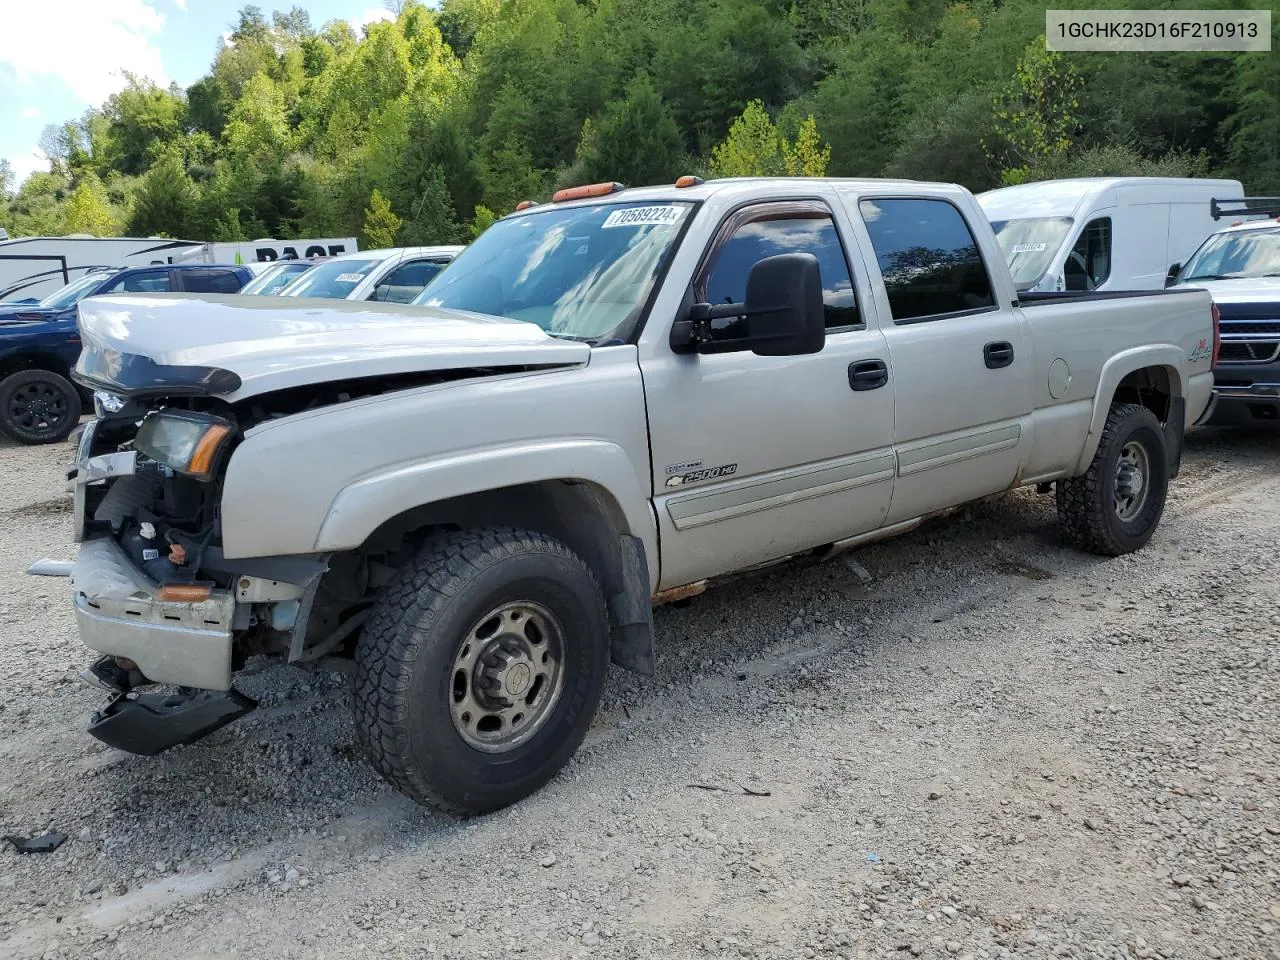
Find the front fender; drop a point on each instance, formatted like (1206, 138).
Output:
(1164, 355)
(365, 505)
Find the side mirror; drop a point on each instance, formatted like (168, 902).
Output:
(784, 312)
(1172, 275)
(785, 316)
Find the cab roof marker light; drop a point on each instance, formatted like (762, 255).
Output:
(524, 205)
(587, 190)
(688, 181)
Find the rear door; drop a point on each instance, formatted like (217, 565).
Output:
(407, 280)
(209, 280)
(961, 358)
(755, 458)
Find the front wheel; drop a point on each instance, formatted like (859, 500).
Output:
(481, 669)
(38, 406)
(1115, 507)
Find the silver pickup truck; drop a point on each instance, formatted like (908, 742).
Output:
(606, 402)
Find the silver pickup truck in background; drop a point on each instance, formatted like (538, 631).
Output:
(607, 401)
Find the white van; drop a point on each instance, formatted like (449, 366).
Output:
(1102, 233)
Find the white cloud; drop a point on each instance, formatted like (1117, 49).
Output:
(181, 5)
(29, 113)
(85, 43)
(371, 15)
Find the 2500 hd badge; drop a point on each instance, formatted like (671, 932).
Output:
(697, 476)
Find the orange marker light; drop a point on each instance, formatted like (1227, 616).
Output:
(524, 205)
(689, 181)
(201, 464)
(589, 190)
(184, 592)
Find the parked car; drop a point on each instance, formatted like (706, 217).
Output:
(271, 278)
(621, 397)
(1240, 269)
(1101, 233)
(39, 343)
(395, 275)
(33, 268)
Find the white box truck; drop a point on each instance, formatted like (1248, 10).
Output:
(268, 250)
(1102, 233)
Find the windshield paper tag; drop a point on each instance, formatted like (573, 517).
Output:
(1029, 247)
(350, 277)
(642, 217)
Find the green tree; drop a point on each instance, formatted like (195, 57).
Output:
(89, 209)
(753, 148)
(808, 156)
(380, 223)
(636, 141)
(165, 202)
(1035, 116)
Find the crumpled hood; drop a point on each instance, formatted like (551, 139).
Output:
(236, 347)
(1242, 290)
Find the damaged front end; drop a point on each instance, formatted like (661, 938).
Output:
(152, 590)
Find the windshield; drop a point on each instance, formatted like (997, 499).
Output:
(1233, 256)
(333, 280)
(74, 292)
(581, 272)
(275, 278)
(1029, 245)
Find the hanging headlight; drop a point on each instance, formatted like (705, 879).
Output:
(186, 442)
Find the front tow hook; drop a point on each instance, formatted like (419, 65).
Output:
(51, 568)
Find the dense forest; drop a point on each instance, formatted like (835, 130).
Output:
(424, 129)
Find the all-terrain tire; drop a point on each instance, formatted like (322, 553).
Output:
(38, 406)
(1089, 517)
(405, 691)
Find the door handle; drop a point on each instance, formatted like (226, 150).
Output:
(868, 374)
(998, 354)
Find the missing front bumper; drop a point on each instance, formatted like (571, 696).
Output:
(119, 613)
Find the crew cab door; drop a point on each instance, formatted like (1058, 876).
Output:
(755, 458)
(960, 350)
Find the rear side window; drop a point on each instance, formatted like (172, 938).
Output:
(151, 281)
(1089, 262)
(770, 232)
(211, 281)
(928, 257)
(405, 282)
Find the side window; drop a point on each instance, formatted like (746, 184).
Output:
(786, 229)
(928, 258)
(1089, 262)
(406, 281)
(151, 281)
(211, 281)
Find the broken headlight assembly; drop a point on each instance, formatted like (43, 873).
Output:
(188, 443)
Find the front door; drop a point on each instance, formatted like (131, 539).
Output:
(961, 359)
(755, 458)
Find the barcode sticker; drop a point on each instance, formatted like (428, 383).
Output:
(1029, 247)
(350, 277)
(643, 217)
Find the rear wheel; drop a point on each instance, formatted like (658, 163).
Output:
(1115, 507)
(38, 406)
(481, 669)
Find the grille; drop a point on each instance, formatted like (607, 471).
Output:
(1247, 352)
(1266, 328)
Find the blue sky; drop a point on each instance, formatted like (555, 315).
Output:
(59, 57)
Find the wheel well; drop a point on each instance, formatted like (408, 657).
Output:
(582, 515)
(34, 361)
(1151, 387)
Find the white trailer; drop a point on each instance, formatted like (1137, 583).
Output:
(31, 268)
(267, 250)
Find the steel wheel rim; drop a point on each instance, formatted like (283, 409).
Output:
(507, 676)
(1133, 480)
(38, 407)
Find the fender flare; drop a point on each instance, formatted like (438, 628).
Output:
(1164, 355)
(364, 505)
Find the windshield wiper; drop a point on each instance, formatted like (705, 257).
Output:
(1207, 276)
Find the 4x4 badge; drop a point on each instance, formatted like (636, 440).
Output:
(1202, 351)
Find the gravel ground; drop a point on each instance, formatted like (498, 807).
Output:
(968, 742)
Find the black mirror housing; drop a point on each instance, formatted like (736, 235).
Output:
(1172, 275)
(785, 314)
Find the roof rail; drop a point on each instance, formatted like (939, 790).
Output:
(1238, 206)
